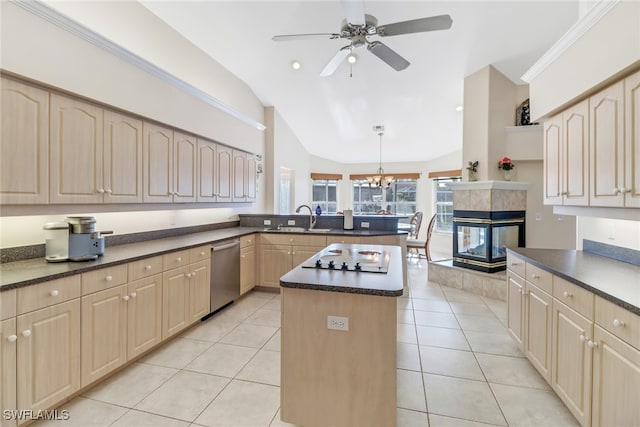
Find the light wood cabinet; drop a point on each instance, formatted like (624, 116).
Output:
(244, 177)
(538, 326)
(199, 290)
(566, 153)
(157, 164)
(224, 191)
(76, 146)
(103, 333)
(207, 183)
(632, 141)
(572, 361)
(48, 355)
(515, 307)
(8, 361)
(122, 159)
(247, 263)
(616, 381)
(185, 152)
(275, 261)
(144, 315)
(279, 253)
(606, 144)
(175, 301)
(24, 144)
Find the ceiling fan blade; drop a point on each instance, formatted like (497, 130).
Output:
(335, 61)
(354, 11)
(432, 23)
(388, 55)
(290, 37)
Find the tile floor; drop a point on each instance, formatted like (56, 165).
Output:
(456, 367)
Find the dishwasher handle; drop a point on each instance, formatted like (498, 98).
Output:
(227, 246)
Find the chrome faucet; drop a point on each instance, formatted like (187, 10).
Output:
(312, 217)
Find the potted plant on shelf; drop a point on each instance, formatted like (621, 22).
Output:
(506, 164)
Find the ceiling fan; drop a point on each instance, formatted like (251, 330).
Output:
(358, 27)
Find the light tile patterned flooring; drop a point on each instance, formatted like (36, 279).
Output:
(456, 367)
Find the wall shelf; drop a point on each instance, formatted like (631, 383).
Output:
(528, 128)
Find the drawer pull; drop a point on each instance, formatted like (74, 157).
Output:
(201, 253)
(193, 274)
(12, 338)
(54, 293)
(133, 294)
(108, 278)
(125, 298)
(188, 275)
(147, 267)
(567, 294)
(178, 259)
(535, 276)
(592, 344)
(618, 323)
(515, 263)
(26, 333)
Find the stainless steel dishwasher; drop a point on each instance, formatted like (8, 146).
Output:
(225, 273)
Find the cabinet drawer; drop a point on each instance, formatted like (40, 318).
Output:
(620, 322)
(49, 293)
(516, 264)
(145, 268)
(247, 240)
(539, 277)
(94, 281)
(343, 239)
(8, 304)
(175, 259)
(574, 296)
(294, 239)
(201, 253)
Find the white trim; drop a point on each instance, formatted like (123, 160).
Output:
(593, 16)
(629, 214)
(56, 18)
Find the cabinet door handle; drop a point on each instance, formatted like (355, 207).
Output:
(618, 323)
(54, 293)
(567, 294)
(293, 253)
(193, 274)
(592, 344)
(134, 294)
(626, 190)
(188, 275)
(179, 259)
(26, 333)
(535, 276)
(582, 338)
(513, 263)
(101, 190)
(125, 298)
(12, 338)
(108, 191)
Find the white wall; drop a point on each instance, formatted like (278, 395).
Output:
(615, 232)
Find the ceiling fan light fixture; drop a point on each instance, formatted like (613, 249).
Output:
(352, 58)
(296, 65)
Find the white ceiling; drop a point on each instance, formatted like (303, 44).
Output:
(333, 116)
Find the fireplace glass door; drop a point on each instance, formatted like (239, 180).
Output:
(502, 237)
(472, 241)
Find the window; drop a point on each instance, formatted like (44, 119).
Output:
(398, 199)
(444, 204)
(325, 195)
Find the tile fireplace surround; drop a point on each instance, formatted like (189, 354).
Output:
(485, 197)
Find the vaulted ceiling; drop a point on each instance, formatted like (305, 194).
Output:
(333, 116)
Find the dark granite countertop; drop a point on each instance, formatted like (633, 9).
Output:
(28, 272)
(388, 285)
(615, 281)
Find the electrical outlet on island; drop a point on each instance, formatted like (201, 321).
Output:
(364, 224)
(291, 222)
(338, 323)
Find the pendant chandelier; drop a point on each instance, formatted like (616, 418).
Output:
(380, 179)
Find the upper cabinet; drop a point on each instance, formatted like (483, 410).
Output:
(244, 174)
(24, 144)
(566, 154)
(59, 149)
(76, 172)
(592, 149)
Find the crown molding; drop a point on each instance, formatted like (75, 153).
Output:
(61, 21)
(593, 16)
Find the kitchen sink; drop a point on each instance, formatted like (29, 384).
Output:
(319, 230)
(300, 230)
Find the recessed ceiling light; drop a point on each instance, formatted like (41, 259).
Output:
(296, 65)
(352, 58)
(459, 108)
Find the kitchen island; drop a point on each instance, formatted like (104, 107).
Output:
(338, 351)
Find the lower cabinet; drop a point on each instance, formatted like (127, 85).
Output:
(199, 290)
(572, 360)
(538, 324)
(275, 261)
(144, 315)
(8, 380)
(48, 355)
(616, 381)
(515, 310)
(247, 269)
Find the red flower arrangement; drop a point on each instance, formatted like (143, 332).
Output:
(506, 164)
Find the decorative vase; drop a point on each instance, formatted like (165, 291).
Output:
(471, 176)
(507, 175)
